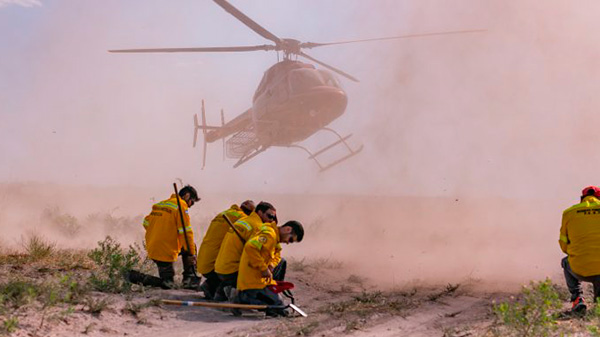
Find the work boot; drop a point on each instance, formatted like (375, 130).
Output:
(136, 277)
(220, 297)
(231, 294)
(277, 312)
(205, 288)
(579, 306)
(191, 283)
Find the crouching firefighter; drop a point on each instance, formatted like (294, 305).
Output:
(230, 253)
(169, 234)
(255, 276)
(580, 240)
(211, 243)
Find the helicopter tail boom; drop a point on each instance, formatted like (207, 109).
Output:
(211, 134)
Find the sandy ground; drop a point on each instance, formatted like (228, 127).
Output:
(337, 303)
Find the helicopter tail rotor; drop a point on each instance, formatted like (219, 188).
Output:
(205, 128)
(196, 128)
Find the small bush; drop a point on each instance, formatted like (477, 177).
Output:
(297, 264)
(65, 223)
(37, 248)
(135, 308)
(369, 297)
(10, 325)
(113, 264)
(448, 290)
(534, 314)
(16, 293)
(71, 290)
(95, 306)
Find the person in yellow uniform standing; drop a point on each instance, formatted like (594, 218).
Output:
(167, 237)
(230, 253)
(580, 240)
(257, 262)
(211, 243)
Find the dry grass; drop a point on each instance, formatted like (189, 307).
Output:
(50, 284)
(36, 247)
(312, 265)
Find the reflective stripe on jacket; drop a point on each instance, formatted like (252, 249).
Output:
(580, 236)
(211, 243)
(228, 260)
(164, 232)
(259, 252)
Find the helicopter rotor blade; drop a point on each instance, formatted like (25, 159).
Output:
(197, 50)
(248, 22)
(314, 44)
(329, 67)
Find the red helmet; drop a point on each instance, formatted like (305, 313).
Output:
(591, 190)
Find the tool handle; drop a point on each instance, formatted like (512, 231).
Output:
(235, 230)
(187, 244)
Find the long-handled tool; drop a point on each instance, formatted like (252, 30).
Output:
(187, 243)
(235, 230)
(234, 306)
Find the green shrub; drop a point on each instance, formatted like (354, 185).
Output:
(534, 314)
(113, 264)
(71, 290)
(95, 306)
(9, 325)
(37, 248)
(16, 293)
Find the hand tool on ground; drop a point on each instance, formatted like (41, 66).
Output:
(281, 286)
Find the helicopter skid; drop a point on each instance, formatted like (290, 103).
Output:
(341, 140)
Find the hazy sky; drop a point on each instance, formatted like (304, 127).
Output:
(511, 111)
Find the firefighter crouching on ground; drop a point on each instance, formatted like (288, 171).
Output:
(230, 253)
(580, 240)
(211, 243)
(165, 238)
(256, 266)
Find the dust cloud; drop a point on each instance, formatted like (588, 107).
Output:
(474, 143)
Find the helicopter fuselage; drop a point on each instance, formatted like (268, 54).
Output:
(292, 102)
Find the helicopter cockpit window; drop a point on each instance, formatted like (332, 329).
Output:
(329, 79)
(261, 87)
(304, 79)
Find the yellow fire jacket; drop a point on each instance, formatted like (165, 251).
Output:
(580, 236)
(211, 243)
(228, 260)
(259, 252)
(164, 231)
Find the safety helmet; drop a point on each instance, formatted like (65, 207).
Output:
(591, 190)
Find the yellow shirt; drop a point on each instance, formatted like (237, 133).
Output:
(259, 252)
(580, 236)
(164, 232)
(230, 252)
(211, 243)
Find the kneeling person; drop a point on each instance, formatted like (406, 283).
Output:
(209, 249)
(167, 237)
(230, 253)
(255, 270)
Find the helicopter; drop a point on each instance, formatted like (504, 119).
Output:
(293, 101)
